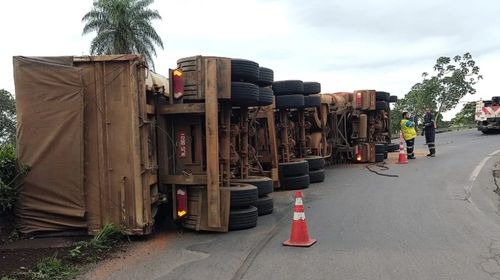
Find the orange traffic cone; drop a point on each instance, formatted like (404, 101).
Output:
(402, 154)
(299, 236)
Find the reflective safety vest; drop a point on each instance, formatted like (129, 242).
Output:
(408, 129)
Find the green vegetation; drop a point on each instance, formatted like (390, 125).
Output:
(105, 240)
(54, 269)
(466, 115)
(453, 78)
(123, 27)
(8, 174)
(7, 117)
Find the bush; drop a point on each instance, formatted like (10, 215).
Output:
(10, 175)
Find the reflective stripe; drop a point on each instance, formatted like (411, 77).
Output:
(299, 216)
(409, 147)
(430, 143)
(298, 201)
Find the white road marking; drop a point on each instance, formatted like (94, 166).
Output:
(480, 166)
(475, 173)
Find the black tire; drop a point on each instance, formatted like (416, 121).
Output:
(289, 101)
(243, 218)
(243, 70)
(379, 157)
(243, 195)
(315, 162)
(382, 96)
(264, 184)
(379, 148)
(316, 176)
(381, 105)
(244, 94)
(294, 168)
(487, 103)
(393, 98)
(265, 205)
(312, 101)
(295, 182)
(288, 87)
(392, 147)
(266, 96)
(266, 77)
(312, 87)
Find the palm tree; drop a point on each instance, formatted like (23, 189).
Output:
(123, 27)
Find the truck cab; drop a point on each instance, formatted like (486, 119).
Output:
(488, 115)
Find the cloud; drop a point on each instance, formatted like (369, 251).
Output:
(345, 45)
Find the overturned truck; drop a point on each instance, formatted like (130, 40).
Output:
(109, 141)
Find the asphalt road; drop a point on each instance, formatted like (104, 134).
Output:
(437, 220)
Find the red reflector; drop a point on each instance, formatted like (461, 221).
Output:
(177, 84)
(181, 202)
(358, 100)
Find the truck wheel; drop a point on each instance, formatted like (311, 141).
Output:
(381, 105)
(266, 77)
(289, 101)
(392, 147)
(294, 168)
(382, 96)
(379, 148)
(312, 101)
(312, 87)
(317, 176)
(379, 157)
(266, 96)
(265, 205)
(315, 162)
(244, 94)
(288, 87)
(264, 184)
(243, 70)
(243, 195)
(294, 182)
(243, 218)
(393, 98)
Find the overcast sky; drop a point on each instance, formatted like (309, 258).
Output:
(345, 45)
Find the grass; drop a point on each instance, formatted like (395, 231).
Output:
(92, 250)
(71, 261)
(53, 268)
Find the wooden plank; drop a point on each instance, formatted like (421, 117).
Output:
(185, 108)
(223, 77)
(212, 143)
(271, 125)
(184, 179)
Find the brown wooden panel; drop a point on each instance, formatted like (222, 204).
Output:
(184, 108)
(212, 143)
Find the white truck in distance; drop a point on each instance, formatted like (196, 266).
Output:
(488, 115)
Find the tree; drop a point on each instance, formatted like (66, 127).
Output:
(452, 80)
(123, 27)
(7, 117)
(466, 115)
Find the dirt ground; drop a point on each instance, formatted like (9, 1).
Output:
(18, 257)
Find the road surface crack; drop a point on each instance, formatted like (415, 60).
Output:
(491, 265)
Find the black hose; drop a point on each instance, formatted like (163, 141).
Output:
(382, 168)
